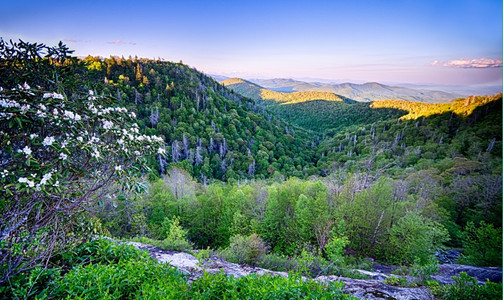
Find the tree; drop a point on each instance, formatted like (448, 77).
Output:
(415, 237)
(482, 244)
(180, 182)
(60, 145)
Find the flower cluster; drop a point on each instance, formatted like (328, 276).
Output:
(48, 136)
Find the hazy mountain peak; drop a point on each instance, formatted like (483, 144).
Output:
(365, 92)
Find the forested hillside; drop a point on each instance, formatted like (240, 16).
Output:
(461, 106)
(210, 131)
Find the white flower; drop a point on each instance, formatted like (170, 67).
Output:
(26, 150)
(80, 139)
(120, 141)
(63, 156)
(25, 86)
(25, 180)
(5, 173)
(45, 178)
(8, 103)
(25, 107)
(95, 154)
(53, 95)
(41, 114)
(94, 140)
(118, 168)
(161, 150)
(137, 153)
(33, 136)
(107, 124)
(55, 112)
(42, 107)
(48, 141)
(69, 114)
(132, 115)
(93, 109)
(56, 184)
(91, 92)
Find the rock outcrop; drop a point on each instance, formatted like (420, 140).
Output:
(482, 274)
(373, 288)
(363, 289)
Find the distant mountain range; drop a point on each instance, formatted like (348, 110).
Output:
(256, 92)
(366, 92)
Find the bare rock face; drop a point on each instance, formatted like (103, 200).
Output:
(363, 289)
(482, 274)
(373, 289)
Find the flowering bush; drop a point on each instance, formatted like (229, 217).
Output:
(58, 147)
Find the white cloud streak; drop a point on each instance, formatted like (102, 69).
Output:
(466, 63)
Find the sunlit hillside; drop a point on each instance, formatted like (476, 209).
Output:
(461, 106)
(257, 92)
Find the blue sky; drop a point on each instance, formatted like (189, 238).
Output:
(422, 42)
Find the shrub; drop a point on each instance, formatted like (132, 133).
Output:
(245, 249)
(128, 279)
(401, 271)
(396, 281)
(276, 262)
(35, 282)
(220, 286)
(60, 143)
(176, 237)
(335, 248)
(415, 236)
(466, 287)
(424, 271)
(482, 244)
(98, 251)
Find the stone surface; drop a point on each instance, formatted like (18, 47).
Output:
(374, 289)
(447, 257)
(446, 271)
(363, 289)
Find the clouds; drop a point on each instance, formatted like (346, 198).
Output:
(466, 63)
(121, 42)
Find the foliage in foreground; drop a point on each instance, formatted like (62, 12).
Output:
(103, 269)
(61, 144)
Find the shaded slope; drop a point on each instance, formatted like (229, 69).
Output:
(328, 116)
(459, 141)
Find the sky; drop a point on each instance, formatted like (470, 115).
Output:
(438, 42)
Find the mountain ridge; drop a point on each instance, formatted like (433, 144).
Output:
(259, 93)
(365, 92)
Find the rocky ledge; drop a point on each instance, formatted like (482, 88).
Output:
(373, 288)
